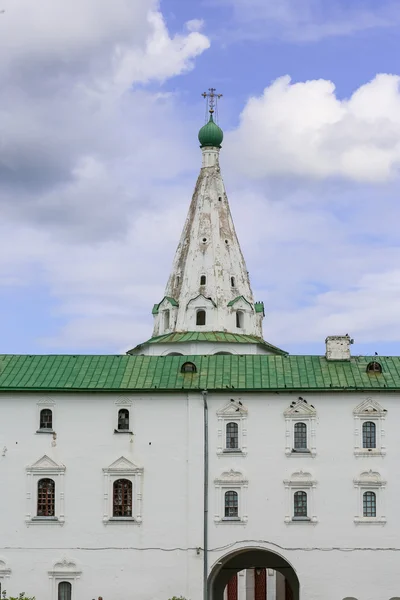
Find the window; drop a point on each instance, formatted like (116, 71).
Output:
(188, 367)
(369, 504)
(231, 505)
(374, 367)
(232, 429)
(122, 492)
(300, 419)
(239, 319)
(46, 498)
(300, 504)
(64, 590)
(5, 571)
(300, 498)
(369, 434)
(232, 436)
(231, 498)
(370, 499)
(123, 419)
(369, 428)
(46, 419)
(122, 498)
(201, 317)
(166, 319)
(300, 436)
(203, 280)
(232, 282)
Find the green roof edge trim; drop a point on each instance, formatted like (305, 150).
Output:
(172, 301)
(232, 302)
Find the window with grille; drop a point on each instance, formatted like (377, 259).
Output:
(232, 435)
(46, 419)
(300, 436)
(188, 367)
(300, 504)
(123, 419)
(201, 317)
(369, 434)
(122, 498)
(231, 505)
(374, 367)
(369, 504)
(46, 498)
(64, 590)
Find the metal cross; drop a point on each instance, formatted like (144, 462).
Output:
(212, 99)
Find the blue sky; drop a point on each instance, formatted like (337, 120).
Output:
(99, 114)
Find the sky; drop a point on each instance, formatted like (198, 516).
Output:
(100, 106)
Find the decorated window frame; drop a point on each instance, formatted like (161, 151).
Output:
(64, 570)
(231, 481)
(42, 404)
(370, 481)
(233, 412)
(300, 411)
(300, 481)
(45, 468)
(123, 403)
(123, 469)
(369, 410)
(5, 571)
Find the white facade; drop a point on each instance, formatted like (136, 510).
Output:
(336, 553)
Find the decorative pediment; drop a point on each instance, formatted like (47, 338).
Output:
(300, 477)
(240, 302)
(369, 408)
(47, 401)
(233, 409)
(200, 301)
(4, 570)
(300, 407)
(369, 478)
(166, 302)
(231, 477)
(121, 466)
(124, 401)
(65, 567)
(46, 464)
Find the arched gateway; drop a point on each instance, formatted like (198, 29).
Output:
(250, 558)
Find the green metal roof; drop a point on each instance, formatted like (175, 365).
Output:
(209, 336)
(210, 134)
(232, 302)
(172, 301)
(54, 373)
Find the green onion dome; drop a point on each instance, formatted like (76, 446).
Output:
(210, 134)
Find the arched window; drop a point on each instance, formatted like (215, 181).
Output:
(64, 590)
(201, 317)
(46, 419)
(300, 504)
(166, 319)
(202, 280)
(239, 318)
(349, 598)
(123, 419)
(374, 367)
(232, 282)
(122, 498)
(188, 367)
(46, 498)
(369, 434)
(174, 354)
(300, 436)
(232, 435)
(231, 505)
(369, 504)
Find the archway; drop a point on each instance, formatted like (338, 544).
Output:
(250, 558)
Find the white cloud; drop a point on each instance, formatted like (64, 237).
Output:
(303, 129)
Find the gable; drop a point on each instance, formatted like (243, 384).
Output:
(233, 409)
(240, 302)
(200, 301)
(122, 465)
(299, 408)
(46, 464)
(371, 408)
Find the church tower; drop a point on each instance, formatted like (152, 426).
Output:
(208, 306)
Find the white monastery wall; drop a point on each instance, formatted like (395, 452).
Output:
(168, 445)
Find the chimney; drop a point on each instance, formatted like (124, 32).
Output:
(338, 347)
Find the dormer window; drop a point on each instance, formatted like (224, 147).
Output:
(201, 317)
(239, 319)
(203, 280)
(232, 282)
(188, 367)
(374, 367)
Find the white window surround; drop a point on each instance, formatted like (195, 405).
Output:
(369, 410)
(124, 402)
(5, 571)
(370, 481)
(41, 404)
(45, 468)
(300, 411)
(233, 412)
(123, 469)
(235, 482)
(64, 570)
(300, 481)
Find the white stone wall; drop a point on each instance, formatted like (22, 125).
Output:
(334, 557)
